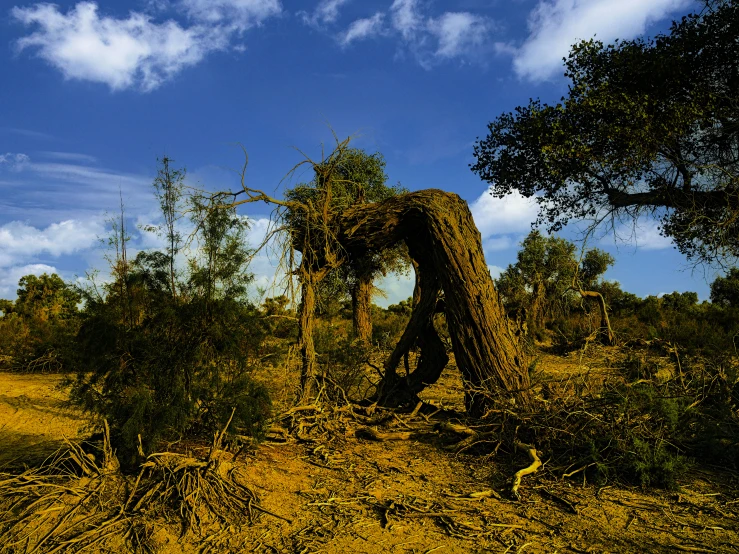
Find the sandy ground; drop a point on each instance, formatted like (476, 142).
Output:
(347, 494)
(33, 418)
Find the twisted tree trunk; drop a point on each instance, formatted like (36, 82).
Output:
(419, 331)
(442, 238)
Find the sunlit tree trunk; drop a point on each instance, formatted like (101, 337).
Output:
(441, 235)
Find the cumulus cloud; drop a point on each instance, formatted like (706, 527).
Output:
(555, 25)
(20, 241)
(362, 29)
(9, 277)
(120, 53)
(326, 12)
(135, 51)
(512, 214)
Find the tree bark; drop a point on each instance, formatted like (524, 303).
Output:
(419, 331)
(440, 233)
(362, 309)
(306, 346)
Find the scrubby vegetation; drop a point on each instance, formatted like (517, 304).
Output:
(172, 351)
(175, 363)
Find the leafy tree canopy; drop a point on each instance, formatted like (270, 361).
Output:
(725, 290)
(46, 297)
(356, 177)
(547, 268)
(648, 127)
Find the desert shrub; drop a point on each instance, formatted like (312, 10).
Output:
(179, 372)
(167, 353)
(653, 464)
(644, 430)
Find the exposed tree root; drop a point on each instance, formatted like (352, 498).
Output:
(75, 502)
(535, 465)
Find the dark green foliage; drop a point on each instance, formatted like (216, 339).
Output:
(725, 290)
(653, 464)
(37, 330)
(166, 352)
(542, 287)
(647, 127)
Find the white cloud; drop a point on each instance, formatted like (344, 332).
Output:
(14, 162)
(430, 40)
(495, 271)
(643, 234)
(503, 216)
(117, 52)
(555, 25)
(71, 157)
(241, 14)
(20, 241)
(362, 29)
(396, 287)
(134, 51)
(326, 12)
(406, 18)
(9, 277)
(458, 32)
(96, 189)
(497, 243)
(435, 39)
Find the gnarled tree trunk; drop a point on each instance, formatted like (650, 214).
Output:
(419, 331)
(442, 238)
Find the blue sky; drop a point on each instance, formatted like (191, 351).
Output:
(94, 92)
